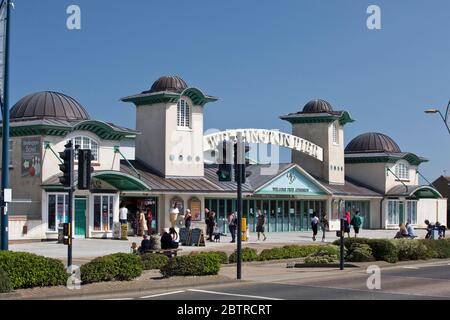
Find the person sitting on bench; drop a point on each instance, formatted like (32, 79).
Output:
(167, 242)
(145, 245)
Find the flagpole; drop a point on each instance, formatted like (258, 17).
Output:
(5, 127)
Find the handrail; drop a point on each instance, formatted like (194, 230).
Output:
(117, 150)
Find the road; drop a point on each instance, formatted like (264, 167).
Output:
(421, 282)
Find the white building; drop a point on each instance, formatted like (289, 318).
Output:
(167, 167)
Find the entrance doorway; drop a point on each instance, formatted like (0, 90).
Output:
(148, 206)
(80, 217)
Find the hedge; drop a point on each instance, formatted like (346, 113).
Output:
(5, 284)
(118, 266)
(412, 250)
(382, 249)
(223, 257)
(27, 270)
(192, 265)
(359, 252)
(437, 248)
(295, 251)
(153, 261)
(320, 257)
(248, 254)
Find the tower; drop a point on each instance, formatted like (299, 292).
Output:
(170, 119)
(320, 124)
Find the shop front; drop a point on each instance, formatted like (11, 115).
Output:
(142, 214)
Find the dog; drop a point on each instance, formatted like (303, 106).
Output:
(217, 237)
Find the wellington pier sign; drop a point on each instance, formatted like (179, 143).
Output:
(262, 136)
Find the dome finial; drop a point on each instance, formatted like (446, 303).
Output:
(372, 142)
(317, 106)
(168, 83)
(48, 105)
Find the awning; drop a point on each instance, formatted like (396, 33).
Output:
(121, 181)
(419, 192)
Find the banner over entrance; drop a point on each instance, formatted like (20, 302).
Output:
(262, 136)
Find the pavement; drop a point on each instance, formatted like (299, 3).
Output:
(85, 250)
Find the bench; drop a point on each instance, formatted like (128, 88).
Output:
(167, 252)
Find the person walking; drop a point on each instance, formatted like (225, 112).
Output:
(188, 219)
(260, 226)
(232, 225)
(123, 214)
(211, 222)
(325, 225)
(347, 222)
(356, 223)
(314, 225)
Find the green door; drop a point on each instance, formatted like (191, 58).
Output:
(80, 217)
(401, 212)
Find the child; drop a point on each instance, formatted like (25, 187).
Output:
(134, 248)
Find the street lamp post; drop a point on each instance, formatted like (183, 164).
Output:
(444, 118)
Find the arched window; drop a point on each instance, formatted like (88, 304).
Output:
(335, 133)
(183, 114)
(402, 170)
(87, 143)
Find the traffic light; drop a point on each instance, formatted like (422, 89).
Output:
(244, 162)
(67, 168)
(67, 234)
(84, 169)
(225, 168)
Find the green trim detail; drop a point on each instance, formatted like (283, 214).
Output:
(196, 95)
(101, 129)
(410, 157)
(344, 118)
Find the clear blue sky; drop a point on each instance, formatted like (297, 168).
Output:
(262, 58)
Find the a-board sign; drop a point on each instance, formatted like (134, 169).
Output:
(197, 238)
(185, 237)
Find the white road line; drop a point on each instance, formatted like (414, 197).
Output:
(162, 294)
(233, 294)
(415, 268)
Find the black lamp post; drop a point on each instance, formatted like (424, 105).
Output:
(445, 119)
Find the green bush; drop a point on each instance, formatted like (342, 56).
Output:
(439, 249)
(223, 257)
(412, 250)
(192, 265)
(320, 257)
(118, 266)
(26, 270)
(295, 251)
(154, 261)
(360, 252)
(5, 284)
(382, 249)
(248, 254)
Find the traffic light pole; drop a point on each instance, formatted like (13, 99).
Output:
(239, 205)
(5, 136)
(69, 247)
